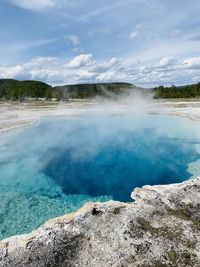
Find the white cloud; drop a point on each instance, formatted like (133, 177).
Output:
(111, 76)
(133, 35)
(139, 29)
(192, 63)
(85, 75)
(166, 61)
(11, 71)
(80, 61)
(35, 5)
(101, 67)
(73, 39)
(41, 64)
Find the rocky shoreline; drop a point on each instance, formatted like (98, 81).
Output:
(160, 228)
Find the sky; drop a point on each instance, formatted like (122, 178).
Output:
(145, 42)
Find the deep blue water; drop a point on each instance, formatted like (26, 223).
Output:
(56, 167)
(128, 160)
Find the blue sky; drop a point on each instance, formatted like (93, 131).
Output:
(146, 42)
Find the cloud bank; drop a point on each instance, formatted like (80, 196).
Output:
(85, 68)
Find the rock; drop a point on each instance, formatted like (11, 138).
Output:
(160, 229)
(3, 249)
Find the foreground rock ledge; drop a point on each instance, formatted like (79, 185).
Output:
(161, 228)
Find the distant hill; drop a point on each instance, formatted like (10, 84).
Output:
(14, 89)
(187, 91)
(94, 89)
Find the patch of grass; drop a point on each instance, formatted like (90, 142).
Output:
(187, 257)
(172, 254)
(196, 225)
(183, 214)
(159, 263)
(184, 258)
(167, 232)
(145, 225)
(190, 244)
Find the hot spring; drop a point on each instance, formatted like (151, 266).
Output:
(55, 167)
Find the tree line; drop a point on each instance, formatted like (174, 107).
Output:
(20, 90)
(187, 91)
(13, 89)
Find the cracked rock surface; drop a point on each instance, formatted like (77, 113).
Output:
(160, 229)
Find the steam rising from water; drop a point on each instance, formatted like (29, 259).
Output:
(101, 153)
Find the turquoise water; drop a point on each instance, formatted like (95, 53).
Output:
(56, 167)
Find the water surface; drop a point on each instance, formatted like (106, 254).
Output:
(56, 167)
